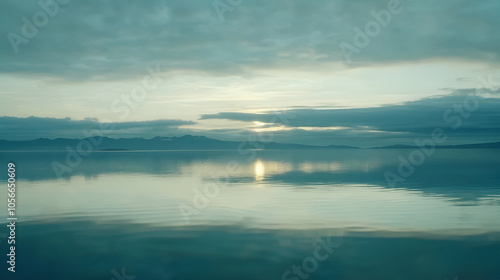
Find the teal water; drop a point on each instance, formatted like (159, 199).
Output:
(222, 215)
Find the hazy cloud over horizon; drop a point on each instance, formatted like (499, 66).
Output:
(13, 128)
(466, 117)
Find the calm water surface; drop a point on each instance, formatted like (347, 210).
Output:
(222, 215)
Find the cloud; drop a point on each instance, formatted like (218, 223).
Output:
(467, 118)
(13, 128)
(467, 91)
(121, 37)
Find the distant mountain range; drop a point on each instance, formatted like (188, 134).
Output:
(187, 142)
(491, 145)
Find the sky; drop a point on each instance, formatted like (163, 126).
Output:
(326, 72)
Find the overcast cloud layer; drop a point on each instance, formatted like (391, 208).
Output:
(94, 37)
(227, 78)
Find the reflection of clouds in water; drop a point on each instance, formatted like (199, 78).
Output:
(310, 167)
(468, 177)
(152, 199)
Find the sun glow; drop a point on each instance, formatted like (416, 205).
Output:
(259, 170)
(259, 123)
